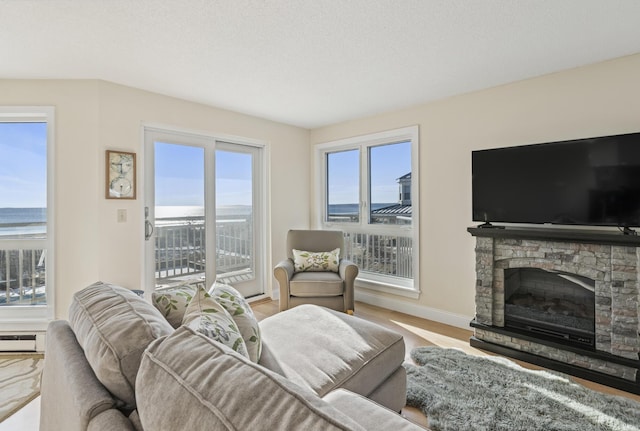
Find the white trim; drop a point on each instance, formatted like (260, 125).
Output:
(18, 318)
(363, 142)
(407, 292)
(210, 142)
(181, 131)
(452, 319)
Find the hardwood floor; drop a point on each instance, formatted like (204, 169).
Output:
(416, 332)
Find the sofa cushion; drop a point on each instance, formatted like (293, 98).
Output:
(206, 385)
(242, 315)
(316, 261)
(350, 353)
(367, 413)
(173, 301)
(306, 284)
(114, 326)
(205, 315)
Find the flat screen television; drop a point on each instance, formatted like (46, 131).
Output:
(591, 182)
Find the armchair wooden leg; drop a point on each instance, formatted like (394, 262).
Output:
(350, 312)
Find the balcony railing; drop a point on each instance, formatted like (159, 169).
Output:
(180, 250)
(22, 277)
(390, 255)
(181, 254)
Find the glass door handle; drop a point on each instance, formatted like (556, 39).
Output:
(148, 230)
(148, 226)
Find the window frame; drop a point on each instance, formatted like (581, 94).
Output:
(363, 143)
(21, 318)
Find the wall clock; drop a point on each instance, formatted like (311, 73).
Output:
(121, 175)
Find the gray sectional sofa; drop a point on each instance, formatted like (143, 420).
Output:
(117, 364)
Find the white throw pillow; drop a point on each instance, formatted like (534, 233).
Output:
(316, 261)
(206, 316)
(242, 314)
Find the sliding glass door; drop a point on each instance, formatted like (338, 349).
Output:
(204, 212)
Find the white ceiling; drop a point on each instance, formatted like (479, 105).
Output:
(311, 62)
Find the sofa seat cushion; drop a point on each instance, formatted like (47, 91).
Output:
(114, 326)
(323, 349)
(316, 284)
(206, 385)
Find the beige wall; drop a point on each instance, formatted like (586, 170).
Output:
(590, 101)
(92, 116)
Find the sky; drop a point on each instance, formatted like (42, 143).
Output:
(387, 164)
(23, 165)
(180, 176)
(180, 172)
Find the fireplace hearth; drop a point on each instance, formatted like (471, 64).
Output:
(565, 299)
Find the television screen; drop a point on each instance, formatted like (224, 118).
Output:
(594, 181)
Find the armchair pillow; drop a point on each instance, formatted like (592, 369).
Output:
(206, 316)
(316, 261)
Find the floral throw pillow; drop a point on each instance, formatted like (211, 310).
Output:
(206, 316)
(242, 314)
(172, 301)
(320, 261)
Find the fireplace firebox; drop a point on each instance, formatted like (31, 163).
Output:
(553, 304)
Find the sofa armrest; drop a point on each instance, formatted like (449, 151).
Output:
(348, 272)
(71, 395)
(283, 272)
(370, 415)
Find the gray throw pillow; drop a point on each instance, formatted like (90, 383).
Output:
(114, 326)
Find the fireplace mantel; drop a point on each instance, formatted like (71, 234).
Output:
(610, 258)
(558, 234)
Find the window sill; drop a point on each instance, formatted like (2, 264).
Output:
(388, 288)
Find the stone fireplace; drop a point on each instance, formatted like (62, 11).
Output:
(565, 299)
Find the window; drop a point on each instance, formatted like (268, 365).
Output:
(26, 234)
(368, 188)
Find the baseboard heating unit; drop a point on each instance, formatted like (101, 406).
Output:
(18, 343)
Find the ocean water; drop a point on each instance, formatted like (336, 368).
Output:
(162, 212)
(344, 209)
(22, 221)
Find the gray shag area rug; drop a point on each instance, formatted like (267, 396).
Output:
(464, 392)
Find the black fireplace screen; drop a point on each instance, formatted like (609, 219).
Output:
(550, 304)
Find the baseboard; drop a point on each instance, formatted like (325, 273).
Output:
(405, 307)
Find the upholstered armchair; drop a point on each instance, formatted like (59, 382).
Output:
(326, 283)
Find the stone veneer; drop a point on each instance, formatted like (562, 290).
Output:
(615, 270)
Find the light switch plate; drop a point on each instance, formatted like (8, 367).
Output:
(122, 216)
